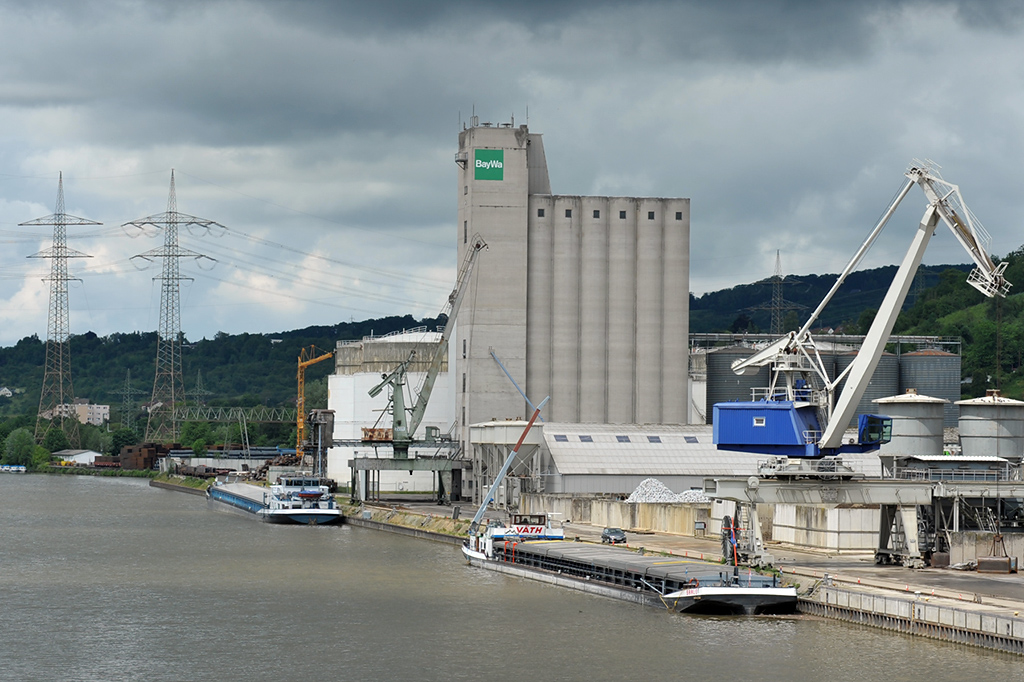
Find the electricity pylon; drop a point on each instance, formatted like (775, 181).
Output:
(168, 386)
(199, 393)
(779, 304)
(57, 397)
(128, 393)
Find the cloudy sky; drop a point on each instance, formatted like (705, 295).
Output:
(321, 134)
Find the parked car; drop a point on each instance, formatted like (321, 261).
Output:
(613, 536)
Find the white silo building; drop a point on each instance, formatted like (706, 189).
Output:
(917, 426)
(358, 366)
(992, 426)
(581, 298)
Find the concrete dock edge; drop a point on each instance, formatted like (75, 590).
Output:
(916, 616)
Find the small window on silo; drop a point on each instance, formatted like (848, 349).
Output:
(679, 215)
(650, 215)
(597, 214)
(568, 213)
(622, 215)
(540, 212)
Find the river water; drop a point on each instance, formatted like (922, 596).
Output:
(109, 579)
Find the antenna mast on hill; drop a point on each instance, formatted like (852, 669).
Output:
(57, 395)
(168, 386)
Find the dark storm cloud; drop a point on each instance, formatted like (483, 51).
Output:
(284, 70)
(333, 125)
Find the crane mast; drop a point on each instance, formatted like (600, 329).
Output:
(307, 357)
(404, 427)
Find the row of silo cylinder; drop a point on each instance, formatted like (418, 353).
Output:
(991, 426)
(934, 373)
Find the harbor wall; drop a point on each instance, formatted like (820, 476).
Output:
(679, 518)
(918, 616)
(969, 545)
(849, 530)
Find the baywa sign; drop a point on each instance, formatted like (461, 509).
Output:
(489, 164)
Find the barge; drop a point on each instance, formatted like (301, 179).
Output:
(528, 543)
(295, 500)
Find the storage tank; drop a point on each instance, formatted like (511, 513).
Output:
(884, 382)
(934, 373)
(992, 426)
(917, 423)
(724, 385)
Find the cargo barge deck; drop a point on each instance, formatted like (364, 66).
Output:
(238, 496)
(676, 583)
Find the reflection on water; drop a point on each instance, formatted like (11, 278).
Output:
(109, 579)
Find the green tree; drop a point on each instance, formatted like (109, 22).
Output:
(193, 431)
(95, 438)
(742, 324)
(120, 439)
(19, 447)
(791, 321)
(56, 440)
(41, 458)
(867, 316)
(316, 395)
(199, 447)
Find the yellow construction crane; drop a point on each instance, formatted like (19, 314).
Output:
(307, 357)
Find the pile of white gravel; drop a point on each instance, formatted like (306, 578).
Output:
(653, 491)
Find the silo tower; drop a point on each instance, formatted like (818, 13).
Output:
(992, 426)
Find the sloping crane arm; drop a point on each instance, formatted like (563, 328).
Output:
(307, 357)
(944, 203)
(403, 429)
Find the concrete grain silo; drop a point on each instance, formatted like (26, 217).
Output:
(935, 373)
(992, 426)
(917, 424)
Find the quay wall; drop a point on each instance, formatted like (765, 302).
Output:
(969, 545)
(678, 518)
(427, 527)
(843, 530)
(916, 616)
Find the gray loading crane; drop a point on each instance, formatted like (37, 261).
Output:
(404, 425)
(797, 351)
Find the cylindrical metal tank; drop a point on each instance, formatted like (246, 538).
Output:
(593, 289)
(621, 313)
(565, 378)
(916, 424)
(724, 385)
(884, 382)
(992, 426)
(935, 373)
